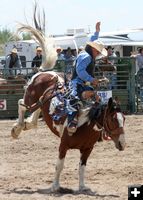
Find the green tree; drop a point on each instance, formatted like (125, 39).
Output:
(26, 36)
(6, 35)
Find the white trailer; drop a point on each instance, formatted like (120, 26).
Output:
(26, 50)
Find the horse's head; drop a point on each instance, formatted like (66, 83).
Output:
(113, 123)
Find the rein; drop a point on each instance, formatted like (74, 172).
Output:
(105, 127)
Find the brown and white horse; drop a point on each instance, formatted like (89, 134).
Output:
(38, 96)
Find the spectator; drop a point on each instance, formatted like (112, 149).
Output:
(111, 54)
(139, 58)
(60, 54)
(139, 63)
(81, 48)
(112, 75)
(37, 60)
(68, 55)
(12, 62)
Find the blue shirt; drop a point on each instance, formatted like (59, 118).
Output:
(94, 37)
(82, 62)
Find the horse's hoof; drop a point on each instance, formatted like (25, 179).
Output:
(16, 130)
(84, 189)
(14, 134)
(55, 188)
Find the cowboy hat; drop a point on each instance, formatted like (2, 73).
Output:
(59, 48)
(99, 46)
(38, 49)
(14, 50)
(110, 47)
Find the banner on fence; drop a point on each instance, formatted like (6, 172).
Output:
(3, 104)
(105, 95)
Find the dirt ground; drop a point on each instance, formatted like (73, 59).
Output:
(27, 165)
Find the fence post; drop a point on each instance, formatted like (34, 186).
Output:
(132, 86)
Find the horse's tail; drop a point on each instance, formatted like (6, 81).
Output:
(46, 43)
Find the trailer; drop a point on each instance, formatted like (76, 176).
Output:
(26, 50)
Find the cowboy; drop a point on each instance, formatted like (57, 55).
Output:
(37, 60)
(83, 75)
(12, 61)
(59, 53)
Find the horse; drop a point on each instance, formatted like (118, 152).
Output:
(39, 94)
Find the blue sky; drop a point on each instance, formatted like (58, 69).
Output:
(64, 14)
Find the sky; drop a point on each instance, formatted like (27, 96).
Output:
(64, 14)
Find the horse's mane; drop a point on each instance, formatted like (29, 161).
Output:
(95, 113)
(47, 44)
(112, 105)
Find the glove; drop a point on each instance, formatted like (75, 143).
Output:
(95, 82)
(103, 80)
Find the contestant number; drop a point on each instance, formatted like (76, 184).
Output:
(2, 104)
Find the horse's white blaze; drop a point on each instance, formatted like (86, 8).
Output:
(81, 176)
(120, 119)
(59, 167)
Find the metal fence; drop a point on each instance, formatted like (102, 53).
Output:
(123, 85)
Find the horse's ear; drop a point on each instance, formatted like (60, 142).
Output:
(110, 102)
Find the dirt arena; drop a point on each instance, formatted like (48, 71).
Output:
(27, 165)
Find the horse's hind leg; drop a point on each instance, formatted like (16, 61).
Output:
(83, 159)
(19, 125)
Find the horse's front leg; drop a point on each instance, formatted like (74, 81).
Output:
(19, 125)
(59, 168)
(83, 160)
(31, 122)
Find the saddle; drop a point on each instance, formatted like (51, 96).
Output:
(60, 107)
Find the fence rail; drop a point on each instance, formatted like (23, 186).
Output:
(122, 84)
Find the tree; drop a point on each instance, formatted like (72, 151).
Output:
(26, 36)
(6, 36)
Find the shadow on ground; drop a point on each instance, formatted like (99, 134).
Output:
(62, 191)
